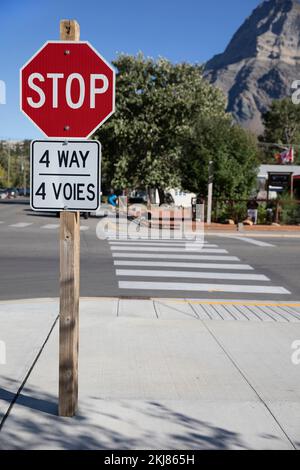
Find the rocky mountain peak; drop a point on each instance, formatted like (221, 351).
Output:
(260, 62)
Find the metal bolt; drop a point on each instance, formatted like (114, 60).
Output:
(66, 128)
(67, 52)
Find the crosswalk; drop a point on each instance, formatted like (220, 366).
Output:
(50, 226)
(174, 265)
(21, 225)
(25, 225)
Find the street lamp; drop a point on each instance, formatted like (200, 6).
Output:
(210, 192)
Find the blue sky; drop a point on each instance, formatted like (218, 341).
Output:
(180, 30)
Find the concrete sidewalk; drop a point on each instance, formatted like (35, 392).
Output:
(154, 374)
(261, 229)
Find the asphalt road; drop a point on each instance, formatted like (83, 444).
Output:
(226, 268)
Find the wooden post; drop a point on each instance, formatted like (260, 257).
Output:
(69, 30)
(69, 287)
(277, 212)
(292, 186)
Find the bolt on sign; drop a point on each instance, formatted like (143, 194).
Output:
(67, 89)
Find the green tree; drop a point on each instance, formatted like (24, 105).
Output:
(156, 106)
(2, 177)
(14, 160)
(233, 153)
(282, 126)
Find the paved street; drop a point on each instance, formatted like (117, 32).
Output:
(183, 346)
(225, 267)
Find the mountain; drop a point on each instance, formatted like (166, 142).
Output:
(261, 61)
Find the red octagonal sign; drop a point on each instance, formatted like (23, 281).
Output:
(67, 89)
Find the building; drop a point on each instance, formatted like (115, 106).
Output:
(282, 177)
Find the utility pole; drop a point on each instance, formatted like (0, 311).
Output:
(210, 192)
(8, 166)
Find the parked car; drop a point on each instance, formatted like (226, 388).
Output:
(24, 192)
(12, 193)
(3, 194)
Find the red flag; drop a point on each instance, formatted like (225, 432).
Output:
(285, 157)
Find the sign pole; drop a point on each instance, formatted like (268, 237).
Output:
(67, 91)
(69, 286)
(210, 193)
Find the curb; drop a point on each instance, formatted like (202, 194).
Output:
(253, 234)
(295, 303)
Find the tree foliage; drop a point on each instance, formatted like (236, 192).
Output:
(156, 103)
(14, 162)
(232, 152)
(282, 126)
(169, 123)
(282, 122)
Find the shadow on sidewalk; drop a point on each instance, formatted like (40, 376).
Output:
(45, 405)
(114, 424)
(105, 424)
(108, 424)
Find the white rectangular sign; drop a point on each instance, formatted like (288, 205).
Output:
(65, 175)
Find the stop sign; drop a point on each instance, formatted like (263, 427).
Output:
(67, 89)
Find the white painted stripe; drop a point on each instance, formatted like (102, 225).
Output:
(166, 264)
(181, 286)
(1, 221)
(256, 242)
(191, 274)
(142, 241)
(171, 256)
(188, 246)
(50, 226)
(138, 248)
(111, 236)
(83, 228)
(21, 225)
(157, 242)
(250, 240)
